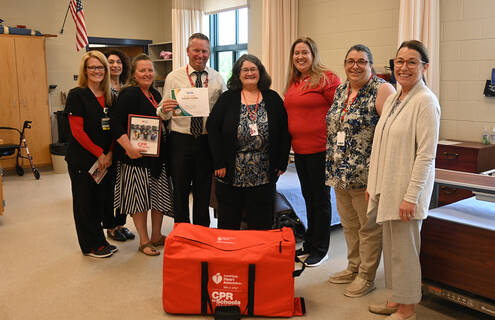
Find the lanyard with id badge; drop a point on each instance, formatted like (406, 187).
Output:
(105, 121)
(253, 127)
(341, 133)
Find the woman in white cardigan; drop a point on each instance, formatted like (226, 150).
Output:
(401, 176)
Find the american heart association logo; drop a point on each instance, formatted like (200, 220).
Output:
(217, 278)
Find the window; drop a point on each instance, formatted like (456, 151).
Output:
(229, 37)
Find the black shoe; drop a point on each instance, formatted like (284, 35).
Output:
(302, 252)
(127, 233)
(101, 252)
(112, 248)
(315, 260)
(117, 235)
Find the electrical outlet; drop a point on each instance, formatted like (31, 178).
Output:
(76, 77)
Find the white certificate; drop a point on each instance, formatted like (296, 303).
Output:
(193, 102)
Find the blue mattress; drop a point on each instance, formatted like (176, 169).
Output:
(471, 212)
(289, 197)
(19, 31)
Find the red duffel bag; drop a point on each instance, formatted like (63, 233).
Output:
(221, 272)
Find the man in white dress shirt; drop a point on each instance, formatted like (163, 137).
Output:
(188, 151)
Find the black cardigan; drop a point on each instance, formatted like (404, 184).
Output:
(131, 100)
(222, 127)
(82, 102)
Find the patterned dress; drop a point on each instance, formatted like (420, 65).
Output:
(252, 159)
(347, 165)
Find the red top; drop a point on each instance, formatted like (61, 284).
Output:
(77, 129)
(307, 110)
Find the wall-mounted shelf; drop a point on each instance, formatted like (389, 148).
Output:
(162, 66)
(489, 89)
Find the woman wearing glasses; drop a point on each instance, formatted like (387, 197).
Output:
(351, 123)
(308, 96)
(249, 141)
(88, 107)
(401, 177)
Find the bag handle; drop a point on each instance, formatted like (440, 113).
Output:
(297, 273)
(205, 296)
(251, 279)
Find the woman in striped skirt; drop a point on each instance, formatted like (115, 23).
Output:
(142, 182)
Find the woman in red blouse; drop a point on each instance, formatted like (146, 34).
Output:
(308, 96)
(88, 106)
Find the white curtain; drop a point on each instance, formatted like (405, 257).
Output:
(420, 20)
(187, 18)
(279, 30)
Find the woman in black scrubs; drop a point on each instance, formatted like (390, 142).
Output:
(88, 107)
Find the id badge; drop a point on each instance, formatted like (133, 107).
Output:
(105, 123)
(341, 138)
(253, 129)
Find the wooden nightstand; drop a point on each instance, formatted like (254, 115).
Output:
(466, 156)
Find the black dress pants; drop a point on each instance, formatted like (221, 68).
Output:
(311, 172)
(90, 200)
(111, 220)
(190, 164)
(256, 202)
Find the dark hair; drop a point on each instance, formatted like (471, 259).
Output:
(418, 46)
(366, 50)
(235, 83)
(124, 76)
(140, 57)
(197, 35)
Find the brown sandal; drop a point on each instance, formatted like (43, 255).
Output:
(160, 242)
(149, 245)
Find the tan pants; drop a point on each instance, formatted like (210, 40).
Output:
(362, 234)
(401, 246)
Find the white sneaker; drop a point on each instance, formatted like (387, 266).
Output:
(315, 261)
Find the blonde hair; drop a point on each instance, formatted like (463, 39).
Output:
(140, 57)
(105, 83)
(317, 71)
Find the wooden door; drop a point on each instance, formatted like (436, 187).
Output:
(9, 103)
(33, 95)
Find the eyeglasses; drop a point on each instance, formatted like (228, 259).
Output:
(93, 68)
(351, 62)
(411, 63)
(246, 70)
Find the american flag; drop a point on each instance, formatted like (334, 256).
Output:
(76, 10)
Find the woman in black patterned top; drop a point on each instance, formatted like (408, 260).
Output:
(351, 124)
(250, 142)
(119, 69)
(119, 75)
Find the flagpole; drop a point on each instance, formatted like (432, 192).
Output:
(62, 30)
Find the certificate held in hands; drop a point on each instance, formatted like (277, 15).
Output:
(144, 133)
(193, 102)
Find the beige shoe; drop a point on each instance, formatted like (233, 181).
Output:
(359, 287)
(382, 309)
(345, 276)
(394, 316)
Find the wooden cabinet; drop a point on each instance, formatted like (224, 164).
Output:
(466, 156)
(24, 95)
(162, 66)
